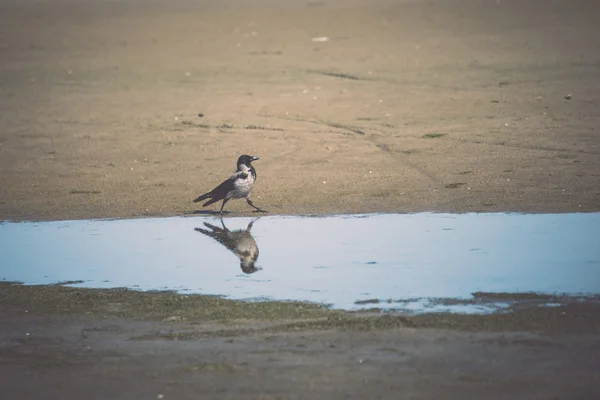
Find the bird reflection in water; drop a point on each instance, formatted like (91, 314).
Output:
(240, 242)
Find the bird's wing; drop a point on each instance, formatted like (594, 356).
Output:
(220, 192)
(215, 228)
(223, 237)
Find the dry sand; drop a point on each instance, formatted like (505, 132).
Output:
(407, 105)
(100, 99)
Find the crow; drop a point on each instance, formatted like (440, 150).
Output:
(237, 186)
(240, 242)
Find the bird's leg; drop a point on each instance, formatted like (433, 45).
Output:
(223, 205)
(252, 223)
(252, 205)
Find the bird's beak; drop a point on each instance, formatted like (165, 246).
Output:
(255, 158)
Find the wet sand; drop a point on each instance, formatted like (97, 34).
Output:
(60, 342)
(453, 105)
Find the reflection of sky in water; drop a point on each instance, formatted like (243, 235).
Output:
(335, 260)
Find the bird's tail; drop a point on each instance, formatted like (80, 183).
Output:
(210, 196)
(211, 201)
(203, 197)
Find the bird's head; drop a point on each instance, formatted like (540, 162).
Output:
(247, 265)
(246, 160)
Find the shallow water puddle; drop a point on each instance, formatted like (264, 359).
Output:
(400, 261)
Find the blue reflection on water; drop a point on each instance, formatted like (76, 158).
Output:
(336, 260)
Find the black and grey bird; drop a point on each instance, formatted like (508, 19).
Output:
(240, 242)
(237, 186)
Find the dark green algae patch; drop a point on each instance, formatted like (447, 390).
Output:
(149, 305)
(238, 317)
